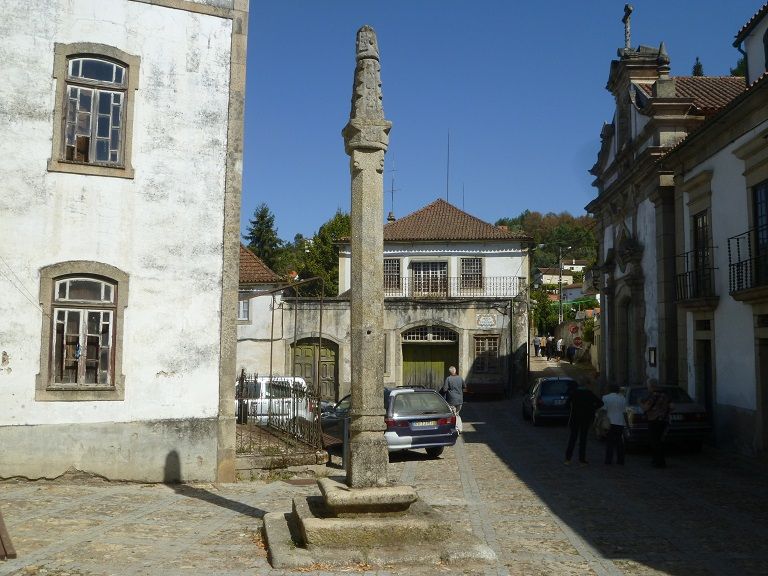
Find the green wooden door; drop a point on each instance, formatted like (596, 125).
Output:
(305, 365)
(427, 364)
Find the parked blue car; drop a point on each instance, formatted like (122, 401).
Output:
(415, 418)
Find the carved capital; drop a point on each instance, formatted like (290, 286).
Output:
(366, 134)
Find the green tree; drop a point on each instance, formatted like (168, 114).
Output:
(291, 255)
(262, 235)
(322, 255)
(543, 312)
(556, 231)
(698, 68)
(741, 67)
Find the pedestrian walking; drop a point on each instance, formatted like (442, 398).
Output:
(453, 391)
(656, 408)
(570, 353)
(583, 403)
(536, 345)
(550, 346)
(559, 349)
(615, 405)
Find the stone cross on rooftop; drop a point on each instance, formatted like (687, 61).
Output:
(627, 15)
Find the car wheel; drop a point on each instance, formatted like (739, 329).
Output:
(526, 416)
(435, 451)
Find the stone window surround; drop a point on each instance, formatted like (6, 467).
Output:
(244, 295)
(754, 153)
(45, 391)
(699, 191)
(62, 54)
(495, 360)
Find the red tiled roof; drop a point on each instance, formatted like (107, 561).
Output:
(709, 93)
(253, 270)
(747, 28)
(443, 221)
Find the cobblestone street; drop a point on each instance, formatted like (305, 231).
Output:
(706, 514)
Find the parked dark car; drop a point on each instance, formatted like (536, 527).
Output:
(547, 399)
(415, 418)
(689, 423)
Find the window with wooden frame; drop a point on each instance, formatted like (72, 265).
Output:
(430, 278)
(94, 110)
(81, 341)
(244, 308)
(391, 275)
(471, 273)
(486, 355)
(83, 333)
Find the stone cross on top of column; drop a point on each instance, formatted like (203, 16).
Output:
(367, 128)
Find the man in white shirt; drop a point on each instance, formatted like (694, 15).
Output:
(615, 404)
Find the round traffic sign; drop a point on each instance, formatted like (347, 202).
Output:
(578, 341)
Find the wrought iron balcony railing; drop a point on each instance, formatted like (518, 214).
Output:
(748, 260)
(698, 278)
(440, 287)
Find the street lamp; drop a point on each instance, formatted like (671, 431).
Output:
(560, 282)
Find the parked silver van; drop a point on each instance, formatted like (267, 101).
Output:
(275, 400)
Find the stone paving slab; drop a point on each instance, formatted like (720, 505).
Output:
(706, 514)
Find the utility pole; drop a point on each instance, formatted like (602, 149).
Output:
(560, 282)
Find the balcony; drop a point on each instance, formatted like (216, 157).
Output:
(695, 287)
(443, 287)
(748, 265)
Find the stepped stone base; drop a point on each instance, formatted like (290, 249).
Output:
(404, 530)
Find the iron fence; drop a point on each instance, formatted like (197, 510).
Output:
(276, 416)
(698, 278)
(748, 259)
(466, 286)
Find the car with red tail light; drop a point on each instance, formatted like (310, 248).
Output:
(415, 418)
(689, 422)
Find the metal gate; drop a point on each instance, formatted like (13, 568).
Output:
(277, 415)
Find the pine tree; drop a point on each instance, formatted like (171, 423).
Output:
(741, 67)
(698, 68)
(262, 235)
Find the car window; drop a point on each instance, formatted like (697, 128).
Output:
(252, 390)
(556, 387)
(675, 394)
(344, 404)
(277, 389)
(414, 403)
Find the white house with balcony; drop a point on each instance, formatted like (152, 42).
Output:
(455, 295)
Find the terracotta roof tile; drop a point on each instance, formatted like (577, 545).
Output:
(751, 23)
(253, 270)
(443, 221)
(709, 93)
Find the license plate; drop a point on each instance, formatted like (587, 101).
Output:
(421, 423)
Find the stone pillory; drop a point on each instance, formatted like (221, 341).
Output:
(366, 137)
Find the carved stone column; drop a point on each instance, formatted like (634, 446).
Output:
(366, 137)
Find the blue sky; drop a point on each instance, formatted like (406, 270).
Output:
(520, 86)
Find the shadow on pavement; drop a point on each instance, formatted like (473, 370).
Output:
(172, 478)
(705, 514)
